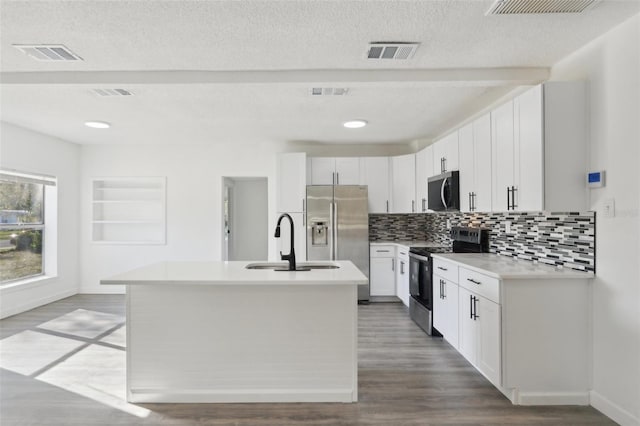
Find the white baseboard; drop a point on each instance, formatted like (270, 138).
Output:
(613, 411)
(14, 310)
(553, 398)
(240, 396)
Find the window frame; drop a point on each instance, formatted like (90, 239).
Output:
(43, 181)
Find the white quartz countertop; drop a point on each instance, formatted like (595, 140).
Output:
(406, 243)
(509, 268)
(224, 273)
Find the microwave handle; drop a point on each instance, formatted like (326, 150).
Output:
(444, 202)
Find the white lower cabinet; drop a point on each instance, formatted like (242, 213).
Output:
(382, 275)
(528, 336)
(480, 333)
(402, 275)
(445, 309)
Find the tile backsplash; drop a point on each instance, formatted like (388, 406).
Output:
(561, 239)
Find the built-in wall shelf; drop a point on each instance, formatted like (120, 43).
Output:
(128, 210)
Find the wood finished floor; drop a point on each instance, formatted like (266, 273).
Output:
(405, 378)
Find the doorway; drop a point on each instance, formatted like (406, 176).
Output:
(245, 218)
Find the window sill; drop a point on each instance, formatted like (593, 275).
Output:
(26, 283)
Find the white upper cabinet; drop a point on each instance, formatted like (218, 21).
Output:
(403, 183)
(424, 170)
(528, 167)
(538, 150)
(374, 172)
(322, 171)
(503, 156)
(334, 171)
(291, 182)
(475, 165)
(445, 154)
(348, 171)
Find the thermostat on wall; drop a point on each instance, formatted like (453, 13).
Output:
(595, 179)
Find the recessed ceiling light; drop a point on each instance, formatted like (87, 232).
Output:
(97, 124)
(354, 124)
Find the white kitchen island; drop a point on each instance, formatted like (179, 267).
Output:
(218, 332)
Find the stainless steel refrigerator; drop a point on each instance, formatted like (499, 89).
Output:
(338, 226)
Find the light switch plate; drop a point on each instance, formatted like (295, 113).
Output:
(609, 208)
(507, 226)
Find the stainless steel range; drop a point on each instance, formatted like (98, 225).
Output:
(465, 240)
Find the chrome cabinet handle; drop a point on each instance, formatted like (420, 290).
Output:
(383, 251)
(337, 178)
(424, 205)
(474, 281)
(442, 269)
(413, 206)
(401, 267)
(387, 206)
(393, 264)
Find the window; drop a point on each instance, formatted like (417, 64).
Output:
(22, 225)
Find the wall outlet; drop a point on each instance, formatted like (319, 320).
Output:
(507, 226)
(609, 208)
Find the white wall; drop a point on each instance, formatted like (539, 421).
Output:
(250, 228)
(194, 211)
(611, 66)
(28, 151)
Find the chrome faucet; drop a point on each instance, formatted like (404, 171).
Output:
(291, 257)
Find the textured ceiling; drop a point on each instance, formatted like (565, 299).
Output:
(147, 37)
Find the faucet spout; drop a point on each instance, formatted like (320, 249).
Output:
(291, 257)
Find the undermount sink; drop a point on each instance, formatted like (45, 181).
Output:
(301, 266)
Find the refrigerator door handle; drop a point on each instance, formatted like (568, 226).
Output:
(332, 228)
(335, 231)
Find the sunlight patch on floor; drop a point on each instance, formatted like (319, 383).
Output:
(83, 323)
(78, 362)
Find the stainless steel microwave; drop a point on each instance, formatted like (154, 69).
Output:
(444, 191)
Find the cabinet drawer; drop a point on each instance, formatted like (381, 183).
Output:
(382, 251)
(481, 284)
(446, 270)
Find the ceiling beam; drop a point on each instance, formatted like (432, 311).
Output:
(436, 77)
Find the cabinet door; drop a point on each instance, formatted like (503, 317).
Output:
(438, 156)
(291, 182)
(467, 170)
(451, 295)
(488, 352)
(528, 163)
(382, 276)
(375, 174)
(403, 183)
(451, 152)
(467, 338)
(322, 171)
(445, 309)
(502, 142)
(348, 171)
(402, 279)
(440, 306)
(482, 164)
(300, 237)
(424, 170)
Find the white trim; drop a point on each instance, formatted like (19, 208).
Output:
(36, 303)
(25, 284)
(553, 398)
(242, 396)
(24, 177)
(612, 410)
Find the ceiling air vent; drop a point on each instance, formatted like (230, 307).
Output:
(519, 7)
(48, 52)
(112, 92)
(391, 50)
(329, 91)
